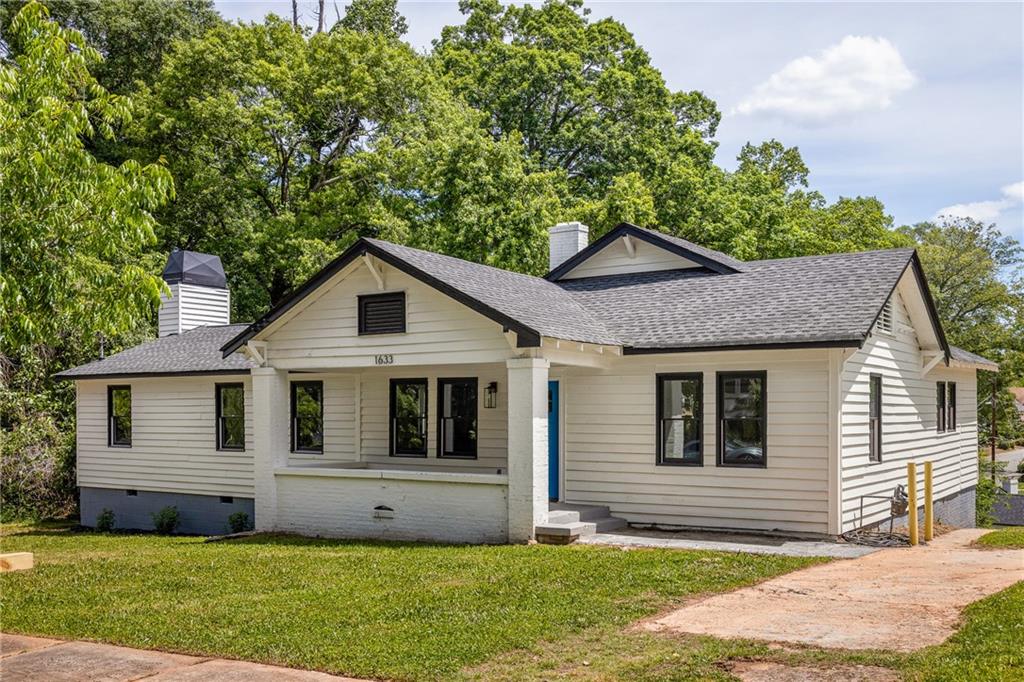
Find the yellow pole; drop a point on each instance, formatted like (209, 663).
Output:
(912, 502)
(928, 519)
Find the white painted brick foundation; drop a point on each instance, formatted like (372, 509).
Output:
(470, 508)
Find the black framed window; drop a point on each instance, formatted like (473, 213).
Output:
(408, 405)
(951, 406)
(680, 411)
(456, 418)
(382, 313)
(940, 406)
(119, 416)
(308, 416)
(875, 418)
(742, 419)
(230, 416)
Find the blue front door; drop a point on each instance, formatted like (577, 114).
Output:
(553, 440)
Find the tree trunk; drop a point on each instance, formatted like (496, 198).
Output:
(295, 13)
(320, 18)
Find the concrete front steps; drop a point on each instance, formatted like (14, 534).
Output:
(567, 522)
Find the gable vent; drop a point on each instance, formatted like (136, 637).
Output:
(382, 314)
(885, 318)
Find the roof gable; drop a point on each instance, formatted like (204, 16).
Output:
(662, 252)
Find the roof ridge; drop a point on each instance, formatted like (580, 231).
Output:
(809, 256)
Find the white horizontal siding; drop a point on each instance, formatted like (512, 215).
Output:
(908, 423)
(439, 330)
(614, 259)
(174, 446)
(339, 419)
(609, 436)
(190, 306)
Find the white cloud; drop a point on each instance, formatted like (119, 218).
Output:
(987, 211)
(1014, 192)
(858, 74)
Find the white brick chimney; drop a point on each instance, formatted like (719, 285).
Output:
(565, 241)
(199, 293)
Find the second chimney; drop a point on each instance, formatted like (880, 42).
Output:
(565, 241)
(199, 293)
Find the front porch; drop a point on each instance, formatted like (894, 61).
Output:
(368, 477)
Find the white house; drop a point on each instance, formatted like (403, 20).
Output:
(405, 394)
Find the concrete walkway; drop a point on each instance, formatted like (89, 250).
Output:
(896, 599)
(728, 542)
(34, 658)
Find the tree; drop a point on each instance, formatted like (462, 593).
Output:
(71, 248)
(375, 16)
(132, 36)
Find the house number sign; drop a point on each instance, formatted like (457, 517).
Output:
(387, 359)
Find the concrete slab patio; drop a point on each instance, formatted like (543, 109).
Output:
(896, 599)
(34, 658)
(728, 542)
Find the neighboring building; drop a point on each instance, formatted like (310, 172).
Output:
(406, 394)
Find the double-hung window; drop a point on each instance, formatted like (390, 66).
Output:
(456, 418)
(680, 400)
(875, 418)
(742, 419)
(408, 418)
(940, 406)
(230, 416)
(951, 406)
(119, 416)
(308, 416)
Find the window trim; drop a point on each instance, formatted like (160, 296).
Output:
(875, 449)
(292, 422)
(720, 432)
(940, 406)
(218, 387)
(659, 380)
(110, 416)
(363, 299)
(441, 381)
(392, 446)
(951, 406)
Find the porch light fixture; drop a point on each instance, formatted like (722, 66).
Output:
(491, 395)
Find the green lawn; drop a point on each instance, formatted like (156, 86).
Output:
(1004, 538)
(365, 609)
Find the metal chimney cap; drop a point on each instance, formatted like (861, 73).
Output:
(189, 267)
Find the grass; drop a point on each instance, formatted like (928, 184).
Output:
(391, 610)
(1004, 538)
(987, 648)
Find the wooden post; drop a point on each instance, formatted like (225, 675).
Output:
(992, 428)
(912, 502)
(928, 512)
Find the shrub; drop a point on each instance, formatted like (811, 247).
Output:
(987, 490)
(1020, 467)
(105, 520)
(239, 522)
(166, 520)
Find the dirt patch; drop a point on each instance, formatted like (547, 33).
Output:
(894, 599)
(761, 671)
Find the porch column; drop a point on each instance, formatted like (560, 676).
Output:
(527, 446)
(270, 438)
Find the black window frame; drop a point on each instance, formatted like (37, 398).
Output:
(875, 403)
(659, 420)
(425, 418)
(218, 390)
(366, 299)
(293, 421)
(441, 382)
(951, 406)
(111, 443)
(940, 406)
(720, 377)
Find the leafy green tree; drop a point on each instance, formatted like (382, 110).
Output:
(72, 236)
(132, 35)
(375, 16)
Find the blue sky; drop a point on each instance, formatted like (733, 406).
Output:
(919, 104)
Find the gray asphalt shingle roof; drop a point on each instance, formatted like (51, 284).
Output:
(195, 351)
(962, 355)
(794, 300)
